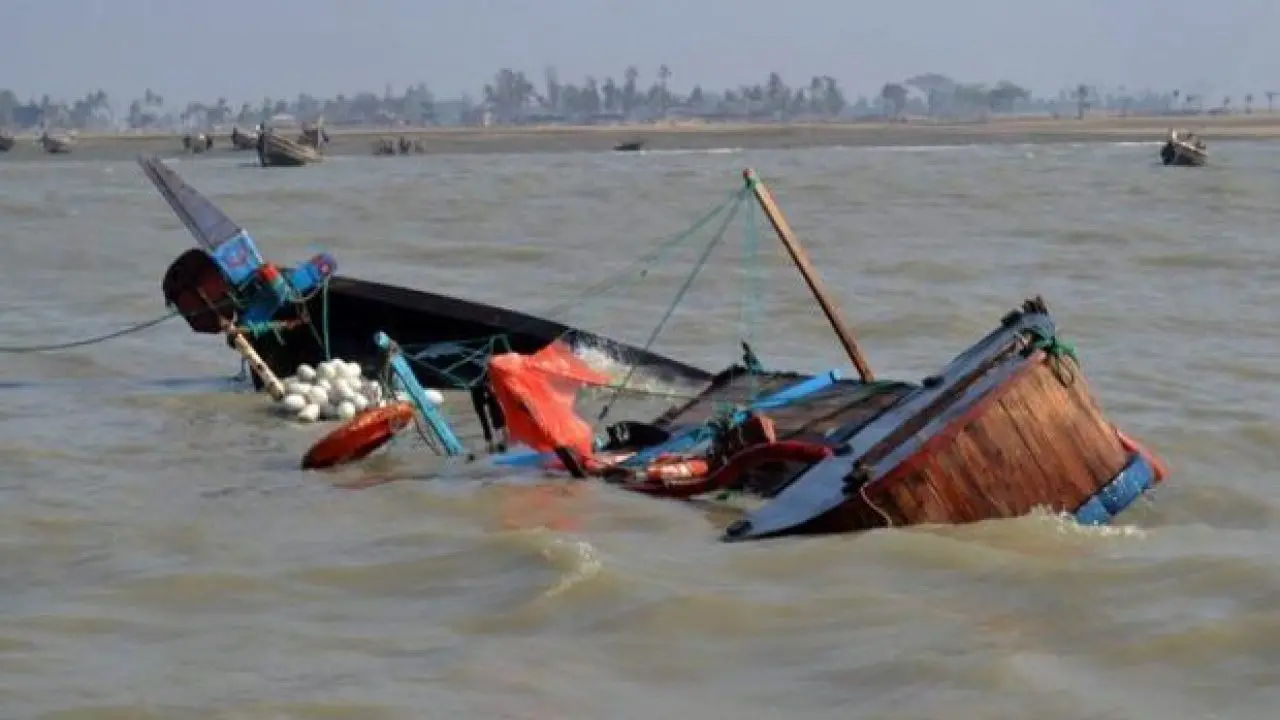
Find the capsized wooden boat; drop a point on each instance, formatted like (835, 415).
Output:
(56, 144)
(7, 141)
(275, 150)
(241, 140)
(1006, 427)
(1184, 149)
(313, 310)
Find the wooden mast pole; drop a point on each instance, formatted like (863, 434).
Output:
(801, 260)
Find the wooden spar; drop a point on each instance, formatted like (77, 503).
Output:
(269, 379)
(801, 260)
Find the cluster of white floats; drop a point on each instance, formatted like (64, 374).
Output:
(336, 390)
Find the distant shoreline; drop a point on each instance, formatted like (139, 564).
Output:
(704, 136)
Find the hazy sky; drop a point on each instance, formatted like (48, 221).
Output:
(245, 49)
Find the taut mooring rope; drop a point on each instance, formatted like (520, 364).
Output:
(14, 349)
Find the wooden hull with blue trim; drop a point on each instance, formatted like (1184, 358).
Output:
(1009, 426)
(218, 283)
(442, 331)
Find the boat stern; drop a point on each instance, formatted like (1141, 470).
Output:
(1009, 426)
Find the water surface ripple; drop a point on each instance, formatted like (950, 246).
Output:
(161, 557)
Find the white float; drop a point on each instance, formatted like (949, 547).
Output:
(337, 390)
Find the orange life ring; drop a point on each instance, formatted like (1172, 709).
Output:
(730, 472)
(672, 469)
(1158, 468)
(361, 435)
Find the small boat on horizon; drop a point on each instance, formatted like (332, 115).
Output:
(632, 146)
(58, 144)
(275, 150)
(1184, 149)
(241, 140)
(197, 143)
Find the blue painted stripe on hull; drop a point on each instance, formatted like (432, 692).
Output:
(1117, 495)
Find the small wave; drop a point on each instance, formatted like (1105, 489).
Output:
(578, 561)
(703, 151)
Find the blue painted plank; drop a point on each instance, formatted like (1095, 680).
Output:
(406, 379)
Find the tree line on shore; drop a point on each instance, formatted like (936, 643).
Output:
(511, 97)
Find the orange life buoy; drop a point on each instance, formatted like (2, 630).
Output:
(672, 469)
(361, 435)
(1158, 468)
(731, 471)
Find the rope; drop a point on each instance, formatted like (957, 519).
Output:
(15, 349)
(644, 262)
(675, 302)
(324, 312)
(619, 279)
(1056, 349)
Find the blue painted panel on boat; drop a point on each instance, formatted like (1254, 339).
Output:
(262, 307)
(1093, 512)
(822, 488)
(1118, 494)
(792, 393)
(238, 258)
(406, 380)
(309, 275)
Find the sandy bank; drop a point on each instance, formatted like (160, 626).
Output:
(690, 136)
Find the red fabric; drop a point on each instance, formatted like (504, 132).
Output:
(536, 393)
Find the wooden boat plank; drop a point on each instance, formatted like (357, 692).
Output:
(822, 488)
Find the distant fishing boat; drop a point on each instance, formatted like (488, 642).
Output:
(1184, 149)
(314, 135)
(242, 140)
(399, 146)
(7, 141)
(197, 143)
(56, 144)
(277, 151)
(633, 146)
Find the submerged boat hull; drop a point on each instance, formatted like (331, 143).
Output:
(1007, 427)
(217, 284)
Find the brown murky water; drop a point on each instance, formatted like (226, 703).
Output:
(161, 557)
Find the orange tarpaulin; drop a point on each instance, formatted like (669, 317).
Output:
(536, 393)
